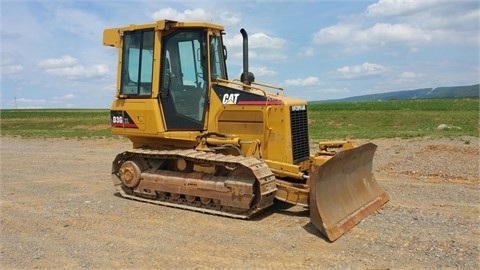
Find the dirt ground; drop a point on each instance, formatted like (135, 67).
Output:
(59, 209)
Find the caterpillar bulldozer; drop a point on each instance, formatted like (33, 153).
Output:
(226, 147)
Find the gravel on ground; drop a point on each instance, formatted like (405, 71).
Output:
(59, 209)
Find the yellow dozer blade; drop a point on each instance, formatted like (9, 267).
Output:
(343, 191)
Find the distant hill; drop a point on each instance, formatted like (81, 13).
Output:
(469, 91)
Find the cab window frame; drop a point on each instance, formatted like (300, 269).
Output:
(137, 63)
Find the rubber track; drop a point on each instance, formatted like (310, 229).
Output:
(260, 169)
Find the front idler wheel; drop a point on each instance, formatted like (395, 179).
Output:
(130, 173)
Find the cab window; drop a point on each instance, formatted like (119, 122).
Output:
(216, 59)
(137, 63)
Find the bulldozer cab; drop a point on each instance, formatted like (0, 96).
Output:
(175, 63)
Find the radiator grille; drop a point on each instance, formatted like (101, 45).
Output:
(299, 128)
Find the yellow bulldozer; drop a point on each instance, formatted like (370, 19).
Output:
(226, 147)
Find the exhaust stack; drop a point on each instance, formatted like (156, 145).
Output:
(246, 77)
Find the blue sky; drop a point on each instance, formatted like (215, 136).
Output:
(52, 54)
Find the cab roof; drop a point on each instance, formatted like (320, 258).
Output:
(111, 36)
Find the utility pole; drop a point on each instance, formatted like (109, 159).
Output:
(15, 98)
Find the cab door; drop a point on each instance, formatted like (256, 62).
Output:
(184, 80)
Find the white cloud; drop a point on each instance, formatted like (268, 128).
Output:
(446, 21)
(365, 69)
(262, 40)
(187, 15)
(387, 8)
(410, 23)
(11, 69)
(256, 41)
(62, 62)
(230, 18)
(262, 71)
(407, 76)
(79, 71)
(67, 66)
(307, 52)
(261, 46)
(339, 33)
(309, 81)
(223, 17)
(10, 63)
(380, 34)
(389, 33)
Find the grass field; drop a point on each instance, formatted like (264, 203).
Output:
(349, 120)
(51, 123)
(395, 118)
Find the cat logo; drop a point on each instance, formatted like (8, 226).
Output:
(230, 98)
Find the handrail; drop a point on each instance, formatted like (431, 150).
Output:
(268, 85)
(250, 87)
(244, 86)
